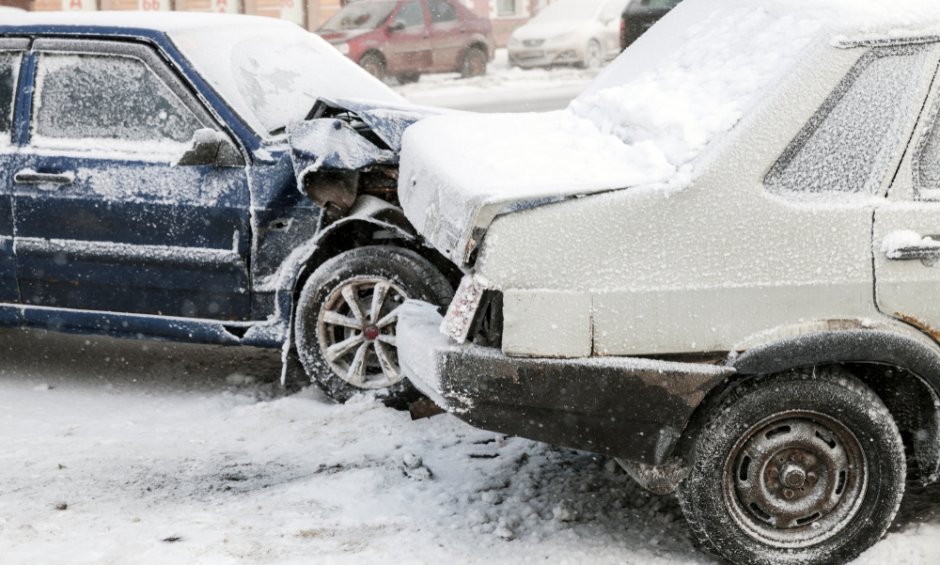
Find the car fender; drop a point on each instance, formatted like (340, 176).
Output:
(369, 213)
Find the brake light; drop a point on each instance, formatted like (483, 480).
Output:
(623, 32)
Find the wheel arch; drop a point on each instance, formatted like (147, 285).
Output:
(901, 365)
(370, 221)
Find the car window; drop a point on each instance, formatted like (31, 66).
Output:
(110, 98)
(927, 160)
(441, 11)
(9, 67)
(411, 14)
(659, 4)
(846, 146)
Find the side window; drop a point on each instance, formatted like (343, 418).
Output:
(110, 98)
(927, 160)
(441, 11)
(9, 70)
(847, 145)
(411, 14)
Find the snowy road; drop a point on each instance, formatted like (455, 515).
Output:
(129, 452)
(503, 89)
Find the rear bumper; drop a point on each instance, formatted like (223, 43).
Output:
(631, 408)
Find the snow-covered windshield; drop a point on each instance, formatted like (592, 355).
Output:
(567, 10)
(359, 15)
(272, 74)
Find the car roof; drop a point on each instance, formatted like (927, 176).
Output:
(161, 22)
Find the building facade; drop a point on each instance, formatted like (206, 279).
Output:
(506, 15)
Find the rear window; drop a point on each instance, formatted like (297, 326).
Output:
(847, 145)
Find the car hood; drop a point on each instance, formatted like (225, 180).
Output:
(342, 36)
(458, 173)
(548, 30)
(349, 135)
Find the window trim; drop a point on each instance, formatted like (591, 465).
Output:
(18, 47)
(144, 53)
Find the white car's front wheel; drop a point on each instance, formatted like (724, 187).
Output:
(593, 55)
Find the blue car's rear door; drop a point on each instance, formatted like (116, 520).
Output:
(106, 218)
(11, 55)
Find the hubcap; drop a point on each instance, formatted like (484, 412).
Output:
(795, 479)
(356, 327)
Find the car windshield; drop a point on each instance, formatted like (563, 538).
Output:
(359, 15)
(271, 74)
(567, 10)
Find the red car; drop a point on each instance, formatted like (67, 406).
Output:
(405, 38)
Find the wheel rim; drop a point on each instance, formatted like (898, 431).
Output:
(476, 64)
(795, 479)
(593, 55)
(356, 329)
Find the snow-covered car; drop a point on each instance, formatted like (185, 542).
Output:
(720, 266)
(569, 32)
(407, 38)
(175, 176)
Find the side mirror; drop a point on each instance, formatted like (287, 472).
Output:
(397, 25)
(210, 147)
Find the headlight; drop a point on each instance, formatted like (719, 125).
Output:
(342, 48)
(514, 41)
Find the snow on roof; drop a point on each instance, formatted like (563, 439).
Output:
(648, 117)
(167, 22)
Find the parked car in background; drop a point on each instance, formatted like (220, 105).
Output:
(406, 38)
(568, 32)
(158, 179)
(737, 301)
(640, 15)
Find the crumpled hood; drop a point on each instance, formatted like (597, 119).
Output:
(330, 140)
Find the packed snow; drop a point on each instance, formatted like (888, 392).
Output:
(134, 452)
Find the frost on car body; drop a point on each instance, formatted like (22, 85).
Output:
(748, 190)
(175, 176)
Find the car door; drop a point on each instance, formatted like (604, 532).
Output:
(11, 55)
(107, 215)
(906, 235)
(409, 45)
(449, 35)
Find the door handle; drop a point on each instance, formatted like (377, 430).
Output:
(911, 246)
(29, 176)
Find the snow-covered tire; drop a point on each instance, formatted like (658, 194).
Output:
(374, 64)
(593, 55)
(473, 63)
(805, 467)
(348, 304)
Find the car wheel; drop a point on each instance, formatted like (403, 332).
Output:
(592, 55)
(806, 467)
(474, 63)
(374, 64)
(346, 319)
(408, 78)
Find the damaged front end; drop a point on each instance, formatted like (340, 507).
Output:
(344, 150)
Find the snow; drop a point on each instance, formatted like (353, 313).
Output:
(895, 243)
(112, 449)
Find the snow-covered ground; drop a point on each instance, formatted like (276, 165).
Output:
(134, 452)
(502, 89)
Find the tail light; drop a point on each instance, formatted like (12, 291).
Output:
(623, 32)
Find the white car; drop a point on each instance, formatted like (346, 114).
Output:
(569, 32)
(720, 266)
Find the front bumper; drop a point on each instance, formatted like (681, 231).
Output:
(527, 57)
(631, 408)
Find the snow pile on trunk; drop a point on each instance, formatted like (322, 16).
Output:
(647, 120)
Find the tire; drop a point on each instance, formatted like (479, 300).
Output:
(374, 64)
(593, 56)
(408, 78)
(326, 318)
(806, 467)
(473, 63)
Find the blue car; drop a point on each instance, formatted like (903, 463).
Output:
(206, 178)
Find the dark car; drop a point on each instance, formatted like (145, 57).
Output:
(160, 181)
(639, 16)
(405, 38)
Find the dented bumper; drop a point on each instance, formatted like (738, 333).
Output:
(631, 408)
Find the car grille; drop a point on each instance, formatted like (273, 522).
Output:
(533, 42)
